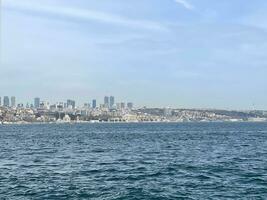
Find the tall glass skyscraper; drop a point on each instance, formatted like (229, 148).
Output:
(6, 101)
(13, 102)
(106, 101)
(37, 102)
(111, 101)
(94, 103)
(71, 103)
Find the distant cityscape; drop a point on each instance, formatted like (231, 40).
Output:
(109, 102)
(111, 111)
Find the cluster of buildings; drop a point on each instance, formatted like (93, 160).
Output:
(8, 102)
(68, 111)
(109, 111)
(109, 103)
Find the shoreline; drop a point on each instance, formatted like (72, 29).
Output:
(155, 122)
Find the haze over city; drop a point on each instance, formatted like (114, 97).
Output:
(156, 53)
(133, 99)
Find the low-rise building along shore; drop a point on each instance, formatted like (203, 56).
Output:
(22, 115)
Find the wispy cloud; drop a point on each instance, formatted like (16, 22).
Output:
(185, 4)
(85, 15)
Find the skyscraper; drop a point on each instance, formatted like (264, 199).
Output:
(106, 101)
(94, 103)
(37, 102)
(6, 101)
(130, 105)
(71, 103)
(111, 101)
(13, 102)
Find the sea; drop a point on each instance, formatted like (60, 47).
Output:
(134, 161)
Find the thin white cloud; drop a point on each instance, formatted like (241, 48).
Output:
(85, 15)
(185, 4)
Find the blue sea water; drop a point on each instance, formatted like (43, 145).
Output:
(134, 161)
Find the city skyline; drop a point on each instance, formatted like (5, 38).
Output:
(155, 53)
(107, 101)
(96, 102)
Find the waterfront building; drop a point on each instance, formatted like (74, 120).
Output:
(13, 102)
(37, 102)
(6, 101)
(94, 104)
(66, 118)
(111, 101)
(106, 101)
(167, 112)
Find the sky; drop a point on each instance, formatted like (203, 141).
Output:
(155, 53)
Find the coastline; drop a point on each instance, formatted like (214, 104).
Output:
(155, 122)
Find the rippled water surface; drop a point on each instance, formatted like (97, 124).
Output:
(134, 161)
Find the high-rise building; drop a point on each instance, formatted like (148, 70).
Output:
(130, 105)
(106, 101)
(122, 105)
(94, 103)
(111, 101)
(6, 101)
(37, 102)
(60, 106)
(0, 101)
(13, 102)
(70, 104)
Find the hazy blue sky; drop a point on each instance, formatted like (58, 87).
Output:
(179, 53)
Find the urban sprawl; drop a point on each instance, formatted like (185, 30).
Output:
(110, 111)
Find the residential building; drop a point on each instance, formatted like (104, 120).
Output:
(13, 102)
(94, 103)
(37, 102)
(130, 105)
(6, 101)
(106, 101)
(111, 101)
(70, 104)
